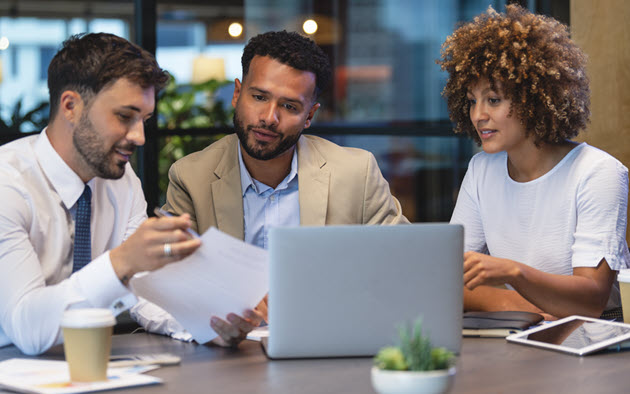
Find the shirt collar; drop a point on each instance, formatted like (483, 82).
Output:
(246, 178)
(64, 180)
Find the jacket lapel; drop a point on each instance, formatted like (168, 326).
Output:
(227, 194)
(313, 179)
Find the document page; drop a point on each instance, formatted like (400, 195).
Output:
(52, 377)
(225, 275)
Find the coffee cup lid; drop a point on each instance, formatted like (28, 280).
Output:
(87, 318)
(623, 275)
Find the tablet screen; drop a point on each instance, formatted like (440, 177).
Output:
(578, 333)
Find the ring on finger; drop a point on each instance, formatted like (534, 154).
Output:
(168, 251)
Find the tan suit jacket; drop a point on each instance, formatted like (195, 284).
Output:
(337, 185)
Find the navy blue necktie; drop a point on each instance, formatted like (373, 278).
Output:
(82, 238)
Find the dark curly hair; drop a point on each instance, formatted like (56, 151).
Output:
(86, 63)
(531, 60)
(291, 49)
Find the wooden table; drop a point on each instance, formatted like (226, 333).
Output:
(485, 366)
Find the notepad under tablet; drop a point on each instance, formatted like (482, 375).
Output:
(342, 290)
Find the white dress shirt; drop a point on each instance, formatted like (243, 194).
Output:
(39, 194)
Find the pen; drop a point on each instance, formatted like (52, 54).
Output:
(159, 212)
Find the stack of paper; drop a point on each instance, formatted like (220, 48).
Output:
(52, 377)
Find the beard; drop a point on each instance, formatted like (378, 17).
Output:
(91, 148)
(263, 150)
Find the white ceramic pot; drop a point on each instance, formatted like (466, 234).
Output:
(412, 382)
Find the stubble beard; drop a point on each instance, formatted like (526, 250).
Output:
(262, 150)
(90, 146)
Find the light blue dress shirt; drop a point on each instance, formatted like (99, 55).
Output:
(265, 207)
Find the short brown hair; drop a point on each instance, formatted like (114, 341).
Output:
(87, 63)
(535, 63)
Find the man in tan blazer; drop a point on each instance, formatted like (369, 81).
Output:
(337, 185)
(268, 173)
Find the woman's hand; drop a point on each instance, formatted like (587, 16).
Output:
(482, 269)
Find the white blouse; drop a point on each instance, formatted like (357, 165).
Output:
(573, 216)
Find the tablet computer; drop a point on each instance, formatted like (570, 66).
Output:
(576, 335)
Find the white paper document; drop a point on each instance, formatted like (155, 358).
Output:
(225, 275)
(258, 333)
(52, 377)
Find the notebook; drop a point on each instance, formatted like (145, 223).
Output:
(498, 324)
(341, 291)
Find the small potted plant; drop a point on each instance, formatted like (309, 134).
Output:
(414, 366)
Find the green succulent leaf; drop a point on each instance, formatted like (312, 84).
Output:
(390, 358)
(415, 352)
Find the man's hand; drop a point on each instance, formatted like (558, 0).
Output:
(262, 308)
(481, 269)
(236, 328)
(146, 249)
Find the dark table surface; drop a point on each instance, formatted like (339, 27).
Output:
(485, 366)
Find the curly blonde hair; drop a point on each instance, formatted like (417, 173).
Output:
(531, 60)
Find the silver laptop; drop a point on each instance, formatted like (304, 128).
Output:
(340, 291)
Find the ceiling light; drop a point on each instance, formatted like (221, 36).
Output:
(309, 26)
(235, 29)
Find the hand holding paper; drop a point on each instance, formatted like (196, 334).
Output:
(236, 328)
(224, 276)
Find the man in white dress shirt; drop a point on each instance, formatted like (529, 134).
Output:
(102, 90)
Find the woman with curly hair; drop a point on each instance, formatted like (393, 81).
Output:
(543, 215)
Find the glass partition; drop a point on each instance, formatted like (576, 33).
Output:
(385, 93)
(384, 97)
(27, 45)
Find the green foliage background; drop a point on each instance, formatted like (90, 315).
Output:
(188, 106)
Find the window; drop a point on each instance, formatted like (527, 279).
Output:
(384, 97)
(46, 54)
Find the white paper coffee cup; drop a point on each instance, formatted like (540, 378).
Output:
(87, 342)
(624, 287)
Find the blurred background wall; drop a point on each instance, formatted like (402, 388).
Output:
(602, 29)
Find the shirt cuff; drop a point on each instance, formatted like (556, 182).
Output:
(102, 288)
(157, 320)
